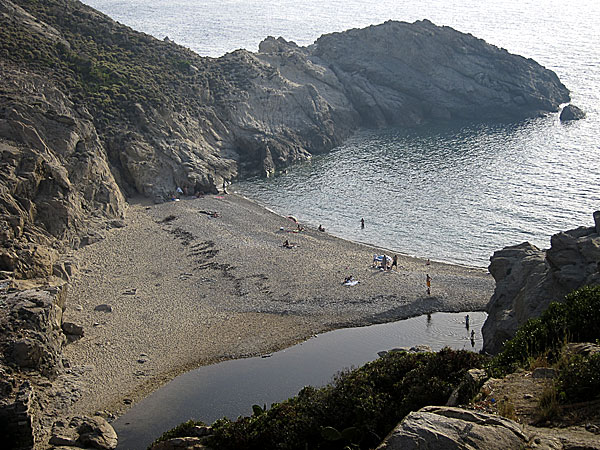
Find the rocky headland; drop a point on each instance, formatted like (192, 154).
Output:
(93, 114)
(529, 279)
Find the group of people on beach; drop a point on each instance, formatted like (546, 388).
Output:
(383, 262)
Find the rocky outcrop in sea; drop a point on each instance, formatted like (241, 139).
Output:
(571, 112)
(529, 279)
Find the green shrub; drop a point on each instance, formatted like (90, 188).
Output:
(365, 404)
(579, 379)
(577, 319)
(182, 430)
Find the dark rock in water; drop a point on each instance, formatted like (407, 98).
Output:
(571, 112)
(403, 74)
(529, 279)
(597, 221)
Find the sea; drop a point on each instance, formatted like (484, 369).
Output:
(453, 192)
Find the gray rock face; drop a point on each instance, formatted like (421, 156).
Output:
(32, 337)
(571, 112)
(529, 279)
(54, 173)
(443, 428)
(402, 74)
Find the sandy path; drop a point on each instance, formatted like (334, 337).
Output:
(195, 289)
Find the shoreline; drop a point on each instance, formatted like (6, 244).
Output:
(314, 225)
(187, 289)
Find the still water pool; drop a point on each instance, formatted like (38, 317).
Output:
(229, 389)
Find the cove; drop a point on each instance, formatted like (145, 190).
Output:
(230, 388)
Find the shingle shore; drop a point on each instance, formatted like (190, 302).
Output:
(188, 287)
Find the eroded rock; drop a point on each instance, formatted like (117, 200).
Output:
(32, 336)
(95, 432)
(529, 279)
(439, 427)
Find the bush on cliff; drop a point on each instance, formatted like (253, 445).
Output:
(579, 378)
(577, 319)
(368, 401)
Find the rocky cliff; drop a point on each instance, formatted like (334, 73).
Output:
(529, 279)
(92, 111)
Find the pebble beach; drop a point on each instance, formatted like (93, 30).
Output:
(202, 280)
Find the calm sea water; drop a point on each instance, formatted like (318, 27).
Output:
(454, 193)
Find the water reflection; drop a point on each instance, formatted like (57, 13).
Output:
(232, 387)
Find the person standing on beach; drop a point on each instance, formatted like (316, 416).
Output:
(428, 281)
(394, 262)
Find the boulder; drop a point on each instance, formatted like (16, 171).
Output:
(183, 443)
(442, 427)
(72, 329)
(84, 432)
(95, 432)
(529, 279)
(103, 308)
(571, 112)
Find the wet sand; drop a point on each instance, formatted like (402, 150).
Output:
(188, 289)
